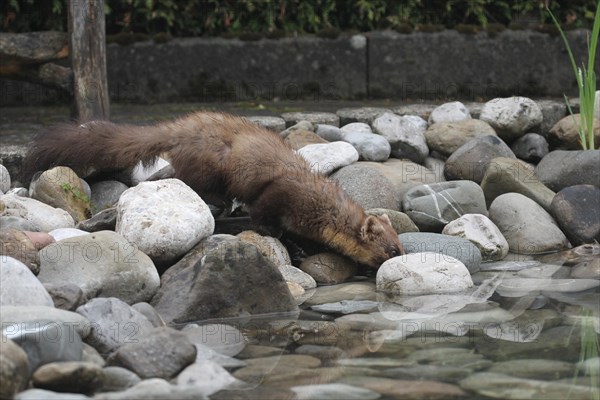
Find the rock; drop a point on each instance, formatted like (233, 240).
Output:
(552, 111)
(14, 368)
(162, 353)
(528, 368)
(590, 366)
(527, 227)
(326, 158)
(105, 220)
(360, 114)
(155, 389)
(530, 147)
(367, 186)
(506, 175)
(449, 112)
(404, 135)
(17, 223)
(502, 386)
(4, 179)
(60, 187)
(587, 269)
(141, 173)
(423, 273)
(126, 272)
(447, 137)
(301, 138)
(20, 287)
(400, 221)
(451, 246)
(19, 191)
(329, 268)
(113, 324)
(577, 211)
(41, 394)
(511, 117)
(164, 219)
(561, 168)
(66, 296)
(45, 217)
(276, 124)
(270, 247)
(423, 110)
(221, 338)
(432, 206)
(14, 318)
(479, 230)
(370, 147)
(343, 291)
(105, 194)
(150, 313)
(564, 135)
(66, 233)
(296, 275)
(117, 378)
(356, 127)
(292, 118)
(332, 391)
(16, 246)
(410, 389)
(208, 376)
(73, 376)
(472, 159)
(329, 132)
(300, 126)
(227, 282)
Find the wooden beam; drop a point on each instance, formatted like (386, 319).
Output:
(87, 41)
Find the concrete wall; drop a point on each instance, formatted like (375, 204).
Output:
(418, 66)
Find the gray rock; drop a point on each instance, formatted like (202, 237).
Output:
(162, 353)
(45, 217)
(535, 369)
(577, 211)
(207, 376)
(589, 269)
(479, 230)
(332, 391)
(293, 274)
(19, 191)
(329, 132)
(449, 112)
(105, 194)
(105, 220)
(227, 282)
(18, 223)
(4, 179)
(552, 111)
(370, 147)
(367, 186)
(11, 318)
(164, 219)
(19, 286)
(14, 369)
(507, 175)
(301, 138)
(326, 158)
(400, 221)
(276, 124)
(343, 291)
(329, 268)
(404, 135)
(150, 313)
(91, 355)
(423, 273)
(472, 159)
(271, 248)
(221, 338)
(530, 147)
(300, 126)
(292, 118)
(117, 378)
(527, 227)
(155, 389)
(354, 127)
(452, 246)
(360, 114)
(423, 110)
(561, 168)
(71, 376)
(41, 394)
(432, 206)
(113, 324)
(447, 137)
(511, 117)
(126, 272)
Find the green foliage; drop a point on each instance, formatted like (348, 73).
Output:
(76, 193)
(218, 17)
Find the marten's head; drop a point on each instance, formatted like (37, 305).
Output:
(377, 241)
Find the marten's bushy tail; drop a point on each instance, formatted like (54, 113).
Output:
(97, 145)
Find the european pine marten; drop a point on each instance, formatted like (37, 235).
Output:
(223, 157)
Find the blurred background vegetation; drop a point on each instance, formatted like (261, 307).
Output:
(278, 18)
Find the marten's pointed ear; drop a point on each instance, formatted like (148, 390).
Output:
(370, 227)
(385, 218)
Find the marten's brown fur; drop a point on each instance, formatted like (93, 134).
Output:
(224, 157)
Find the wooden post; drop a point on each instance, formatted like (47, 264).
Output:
(87, 42)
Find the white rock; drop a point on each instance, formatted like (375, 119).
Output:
(209, 376)
(405, 136)
(423, 273)
(141, 173)
(329, 132)
(511, 117)
(66, 233)
(19, 286)
(293, 274)
(370, 147)
(419, 122)
(482, 232)
(46, 217)
(449, 112)
(356, 127)
(333, 391)
(4, 179)
(164, 219)
(327, 157)
(13, 317)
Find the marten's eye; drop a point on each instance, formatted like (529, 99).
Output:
(394, 253)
